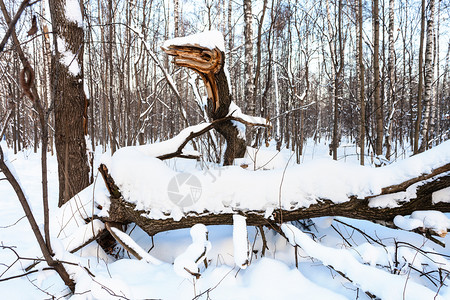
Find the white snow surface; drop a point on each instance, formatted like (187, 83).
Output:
(164, 147)
(125, 238)
(209, 39)
(275, 276)
(262, 159)
(434, 220)
(236, 111)
(426, 219)
(143, 180)
(407, 223)
(73, 12)
(441, 196)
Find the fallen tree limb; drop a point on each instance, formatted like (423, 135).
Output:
(402, 186)
(124, 212)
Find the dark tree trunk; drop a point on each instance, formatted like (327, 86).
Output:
(235, 144)
(70, 102)
(376, 81)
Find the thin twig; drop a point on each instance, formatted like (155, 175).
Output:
(7, 226)
(212, 288)
(362, 232)
(24, 274)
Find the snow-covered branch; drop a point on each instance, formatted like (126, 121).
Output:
(130, 245)
(380, 283)
(174, 147)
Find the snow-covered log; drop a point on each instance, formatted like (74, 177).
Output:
(420, 194)
(144, 191)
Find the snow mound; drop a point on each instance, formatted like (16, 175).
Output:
(144, 181)
(429, 219)
(186, 264)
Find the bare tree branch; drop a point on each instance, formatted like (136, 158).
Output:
(12, 24)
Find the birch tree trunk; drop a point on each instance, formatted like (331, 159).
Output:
(338, 67)
(429, 77)
(391, 70)
(176, 18)
(435, 117)
(248, 34)
(230, 45)
(277, 99)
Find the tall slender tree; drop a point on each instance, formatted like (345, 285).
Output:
(378, 105)
(362, 126)
(336, 45)
(112, 116)
(420, 85)
(429, 77)
(249, 78)
(391, 75)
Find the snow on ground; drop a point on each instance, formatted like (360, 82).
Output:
(369, 258)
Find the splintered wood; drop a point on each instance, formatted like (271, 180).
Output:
(204, 61)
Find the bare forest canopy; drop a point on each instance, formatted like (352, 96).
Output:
(376, 77)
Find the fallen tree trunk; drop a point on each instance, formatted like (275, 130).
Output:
(124, 212)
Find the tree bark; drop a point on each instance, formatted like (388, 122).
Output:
(112, 118)
(70, 102)
(249, 82)
(392, 89)
(337, 61)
